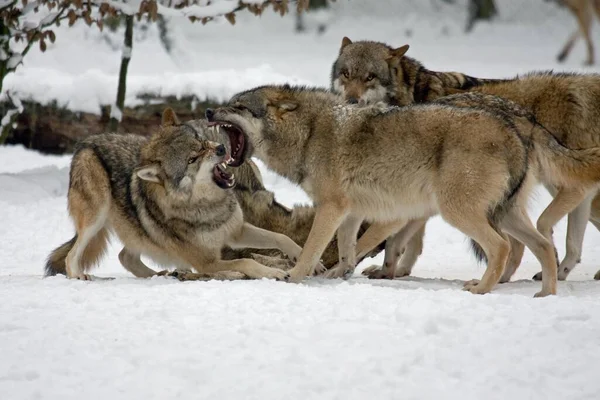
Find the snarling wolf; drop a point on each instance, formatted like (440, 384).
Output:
(261, 209)
(390, 165)
(568, 105)
(168, 197)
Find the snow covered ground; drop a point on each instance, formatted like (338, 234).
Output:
(413, 338)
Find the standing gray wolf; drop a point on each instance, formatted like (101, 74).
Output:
(262, 210)
(392, 165)
(167, 197)
(568, 105)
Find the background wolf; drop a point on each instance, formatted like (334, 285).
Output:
(568, 105)
(394, 165)
(166, 197)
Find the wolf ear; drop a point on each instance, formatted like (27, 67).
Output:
(169, 118)
(345, 42)
(399, 52)
(149, 173)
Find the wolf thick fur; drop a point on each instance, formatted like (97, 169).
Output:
(262, 210)
(163, 198)
(392, 165)
(568, 105)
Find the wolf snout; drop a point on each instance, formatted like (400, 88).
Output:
(220, 150)
(210, 114)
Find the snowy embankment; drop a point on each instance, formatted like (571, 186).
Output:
(413, 338)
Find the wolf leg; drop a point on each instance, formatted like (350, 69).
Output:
(518, 225)
(564, 53)
(246, 266)
(258, 238)
(131, 262)
(192, 276)
(514, 259)
(394, 249)
(477, 226)
(412, 250)
(565, 201)
(346, 240)
(328, 217)
(91, 240)
(576, 226)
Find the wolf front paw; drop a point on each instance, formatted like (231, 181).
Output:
(369, 270)
(339, 271)
(382, 274)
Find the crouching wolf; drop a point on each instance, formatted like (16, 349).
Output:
(391, 165)
(167, 197)
(566, 104)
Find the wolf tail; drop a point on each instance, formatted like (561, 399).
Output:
(55, 264)
(95, 248)
(564, 165)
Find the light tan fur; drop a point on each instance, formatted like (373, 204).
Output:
(391, 165)
(568, 105)
(160, 198)
(261, 209)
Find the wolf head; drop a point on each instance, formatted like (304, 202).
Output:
(270, 119)
(366, 71)
(179, 159)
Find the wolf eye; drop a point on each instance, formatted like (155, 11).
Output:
(193, 159)
(370, 77)
(346, 74)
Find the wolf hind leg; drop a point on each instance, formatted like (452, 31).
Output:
(517, 224)
(90, 245)
(477, 226)
(412, 251)
(565, 201)
(517, 249)
(89, 200)
(131, 262)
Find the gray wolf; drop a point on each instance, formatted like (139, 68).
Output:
(261, 209)
(390, 165)
(565, 104)
(167, 197)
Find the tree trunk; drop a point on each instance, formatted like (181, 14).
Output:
(4, 33)
(480, 10)
(116, 115)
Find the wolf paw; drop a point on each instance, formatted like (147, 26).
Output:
(274, 273)
(543, 293)
(81, 277)
(296, 275)
(474, 287)
(537, 277)
(382, 274)
(369, 270)
(597, 276)
(401, 272)
(320, 268)
(339, 271)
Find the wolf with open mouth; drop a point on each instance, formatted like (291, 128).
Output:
(391, 166)
(168, 197)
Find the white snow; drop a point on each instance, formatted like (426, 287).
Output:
(116, 113)
(126, 52)
(413, 338)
